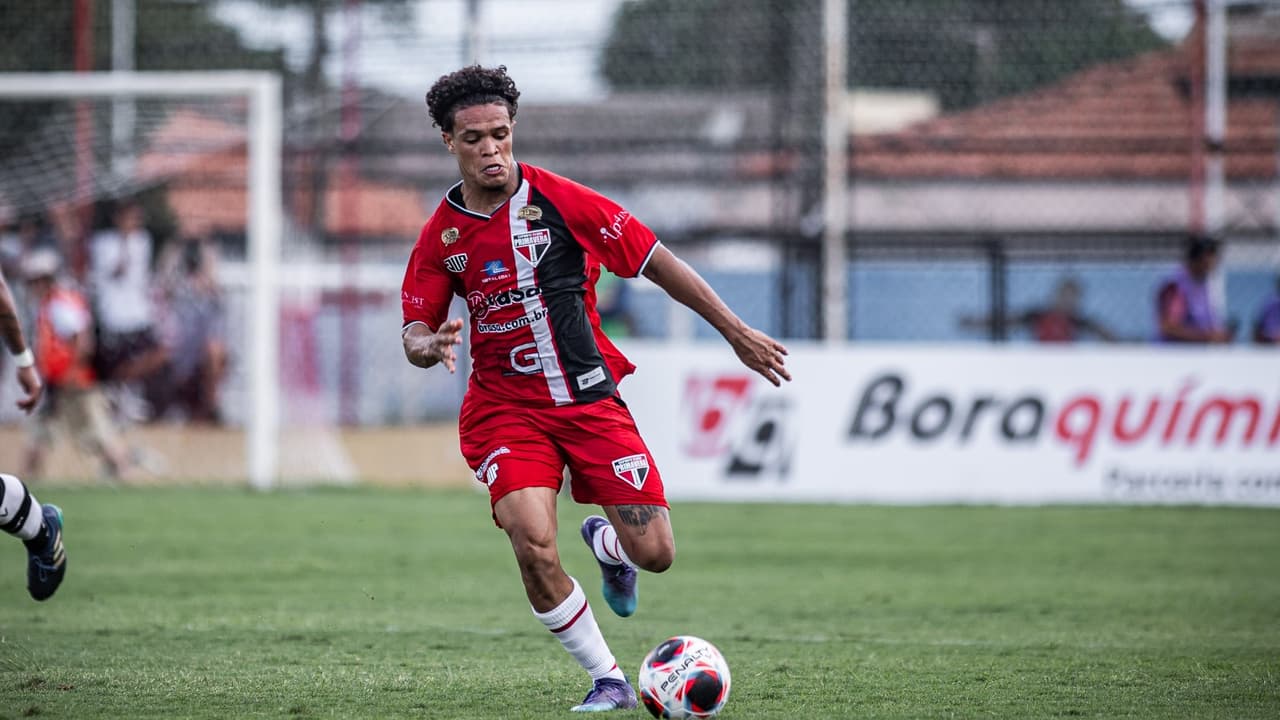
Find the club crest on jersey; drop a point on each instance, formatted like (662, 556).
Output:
(532, 245)
(449, 236)
(632, 469)
(456, 263)
(529, 213)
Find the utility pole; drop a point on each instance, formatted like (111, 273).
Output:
(471, 42)
(835, 137)
(349, 216)
(802, 302)
(123, 109)
(82, 41)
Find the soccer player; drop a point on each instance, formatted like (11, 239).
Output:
(524, 247)
(38, 526)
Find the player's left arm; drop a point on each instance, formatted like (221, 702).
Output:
(755, 349)
(628, 248)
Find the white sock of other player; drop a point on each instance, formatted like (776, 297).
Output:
(608, 548)
(575, 625)
(20, 514)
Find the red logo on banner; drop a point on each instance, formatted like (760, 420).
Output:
(712, 402)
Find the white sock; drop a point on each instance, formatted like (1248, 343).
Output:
(608, 548)
(20, 514)
(575, 625)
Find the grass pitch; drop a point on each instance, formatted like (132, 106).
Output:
(380, 604)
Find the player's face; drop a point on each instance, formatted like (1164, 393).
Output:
(481, 140)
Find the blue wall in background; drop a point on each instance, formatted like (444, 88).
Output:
(913, 301)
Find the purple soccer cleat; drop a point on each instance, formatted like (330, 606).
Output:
(608, 694)
(618, 581)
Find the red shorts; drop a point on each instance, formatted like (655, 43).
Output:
(511, 447)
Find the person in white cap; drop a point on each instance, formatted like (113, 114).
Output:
(64, 358)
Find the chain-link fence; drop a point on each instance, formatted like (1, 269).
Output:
(1004, 158)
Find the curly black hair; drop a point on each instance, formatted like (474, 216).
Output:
(472, 85)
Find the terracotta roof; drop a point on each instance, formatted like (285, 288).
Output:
(1130, 119)
(203, 161)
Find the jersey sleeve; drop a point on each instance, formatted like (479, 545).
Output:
(427, 288)
(606, 230)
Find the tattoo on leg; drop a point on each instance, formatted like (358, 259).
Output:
(638, 516)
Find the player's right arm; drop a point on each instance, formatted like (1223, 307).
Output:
(11, 331)
(425, 348)
(428, 339)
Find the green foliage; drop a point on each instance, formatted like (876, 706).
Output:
(392, 10)
(696, 44)
(966, 51)
(169, 36)
(185, 603)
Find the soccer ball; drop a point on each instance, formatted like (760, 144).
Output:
(684, 677)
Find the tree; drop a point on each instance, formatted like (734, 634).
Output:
(966, 51)
(315, 89)
(395, 12)
(170, 36)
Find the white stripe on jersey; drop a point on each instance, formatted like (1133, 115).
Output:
(534, 308)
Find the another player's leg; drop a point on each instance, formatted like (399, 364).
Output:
(528, 516)
(40, 529)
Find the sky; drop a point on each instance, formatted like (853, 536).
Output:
(550, 46)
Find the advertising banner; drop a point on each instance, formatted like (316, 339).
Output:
(965, 424)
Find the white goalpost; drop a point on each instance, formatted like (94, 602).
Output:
(263, 224)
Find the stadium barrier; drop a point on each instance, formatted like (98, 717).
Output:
(964, 424)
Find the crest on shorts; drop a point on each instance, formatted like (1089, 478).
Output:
(529, 213)
(532, 245)
(456, 263)
(632, 469)
(449, 236)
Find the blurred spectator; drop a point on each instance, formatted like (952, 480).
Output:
(120, 276)
(194, 330)
(1266, 328)
(29, 232)
(1185, 308)
(1058, 322)
(63, 350)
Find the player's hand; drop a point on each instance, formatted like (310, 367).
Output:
(425, 349)
(762, 354)
(32, 388)
(442, 343)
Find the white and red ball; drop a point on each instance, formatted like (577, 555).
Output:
(684, 677)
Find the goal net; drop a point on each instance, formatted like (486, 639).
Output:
(200, 153)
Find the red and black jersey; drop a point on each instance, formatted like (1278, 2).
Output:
(528, 274)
